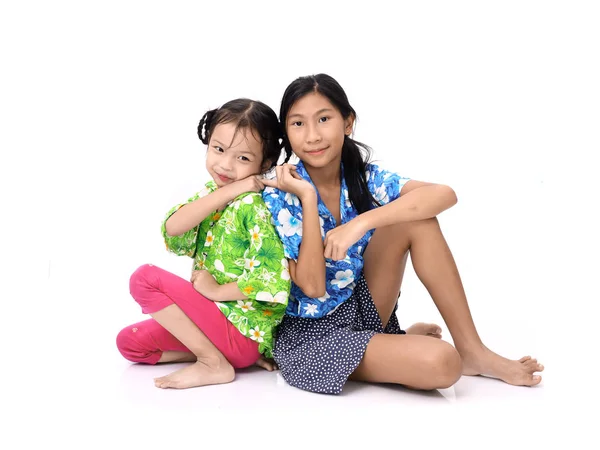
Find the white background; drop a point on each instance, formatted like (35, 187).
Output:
(99, 107)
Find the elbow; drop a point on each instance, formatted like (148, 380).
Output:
(450, 196)
(170, 229)
(313, 289)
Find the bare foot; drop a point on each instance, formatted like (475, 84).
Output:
(488, 363)
(266, 363)
(425, 329)
(198, 374)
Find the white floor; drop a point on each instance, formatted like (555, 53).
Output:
(79, 392)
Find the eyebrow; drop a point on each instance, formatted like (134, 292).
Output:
(247, 152)
(321, 111)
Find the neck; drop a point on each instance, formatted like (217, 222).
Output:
(328, 176)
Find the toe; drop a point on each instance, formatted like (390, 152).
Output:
(525, 358)
(536, 379)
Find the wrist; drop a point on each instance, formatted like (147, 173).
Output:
(231, 191)
(308, 196)
(363, 221)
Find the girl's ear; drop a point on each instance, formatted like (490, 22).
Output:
(348, 125)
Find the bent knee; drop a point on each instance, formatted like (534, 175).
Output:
(446, 365)
(142, 277)
(131, 344)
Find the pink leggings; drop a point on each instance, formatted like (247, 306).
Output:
(154, 289)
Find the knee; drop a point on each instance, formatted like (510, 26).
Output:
(136, 344)
(127, 344)
(446, 366)
(142, 278)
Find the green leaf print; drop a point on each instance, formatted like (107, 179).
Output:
(269, 252)
(235, 245)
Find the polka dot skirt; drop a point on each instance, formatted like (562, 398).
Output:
(318, 355)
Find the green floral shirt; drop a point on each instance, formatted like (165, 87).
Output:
(240, 244)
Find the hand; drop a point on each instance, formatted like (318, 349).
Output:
(340, 239)
(289, 181)
(253, 183)
(204, 282)
(266, 363)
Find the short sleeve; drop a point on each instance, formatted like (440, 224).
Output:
(287, 219)
(184, 244)
(265, 274)
(384, 184)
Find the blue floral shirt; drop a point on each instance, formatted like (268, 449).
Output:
(341, 276)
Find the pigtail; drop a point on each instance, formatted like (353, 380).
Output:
(288, 149)
(355, 174)
(205, 126)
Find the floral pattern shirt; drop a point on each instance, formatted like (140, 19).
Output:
(240, 244)
(341, 276)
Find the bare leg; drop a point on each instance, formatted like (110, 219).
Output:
(211, 367)
(418, 362)
(172, 356)
(435, 267)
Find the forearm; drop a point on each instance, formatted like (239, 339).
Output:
(310, 269)
(192, 214)
(225, 292)
(419, 204)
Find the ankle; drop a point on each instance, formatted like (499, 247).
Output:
(472, 350)
(215, 361)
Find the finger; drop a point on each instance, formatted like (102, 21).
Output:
(327, 253)
(271, 183)
(259, 182)
(296, 176)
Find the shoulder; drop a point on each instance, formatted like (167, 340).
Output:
(275, 199)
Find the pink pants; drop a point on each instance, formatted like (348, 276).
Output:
(154, 289)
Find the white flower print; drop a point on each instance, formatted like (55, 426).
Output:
(248, 199)
(311, 309)
(291, 199)
(381, 194)
(285, 272)
(256, 237)
(256, 334)
(289, 224)
(261, 212)
(266, 276)
(221, 268)
(251, 264)
(343, 278)
(280, 297)
(245, 306)
(209, 239)
(347, 201)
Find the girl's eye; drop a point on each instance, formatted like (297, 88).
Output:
(323, 119)
(297, 124)
(244, 158)
(219, 149)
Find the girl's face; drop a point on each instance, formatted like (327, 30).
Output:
(316, 129)
(233, 156)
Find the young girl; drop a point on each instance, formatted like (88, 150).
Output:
(224, 319)
(347, 228)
